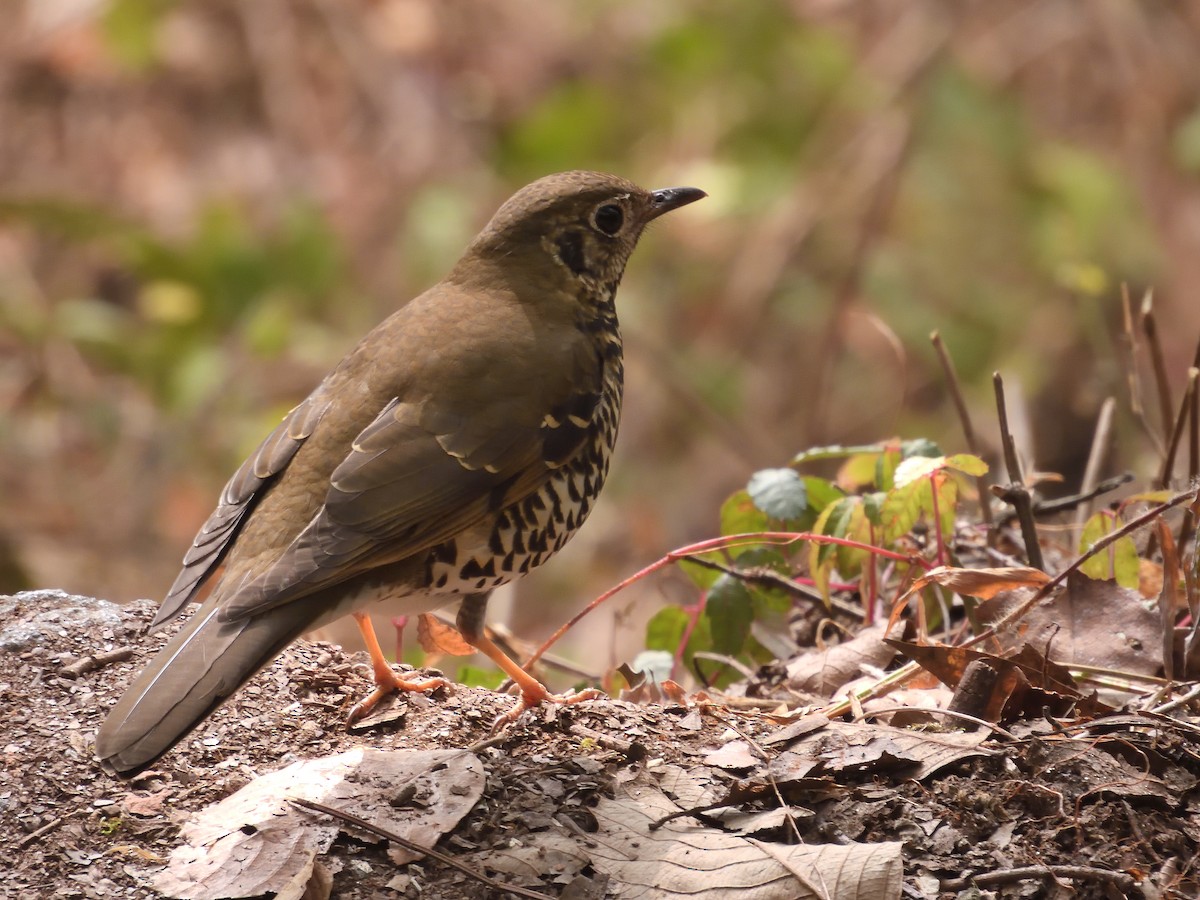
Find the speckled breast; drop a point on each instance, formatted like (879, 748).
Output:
(524, 535)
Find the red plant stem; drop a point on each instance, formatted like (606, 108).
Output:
(720, 543)
(937, 520)
(695, 611)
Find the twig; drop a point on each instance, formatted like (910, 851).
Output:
(1176, 433)
(45, 829)
(1150, 329)
(951, 713)
(1122, 882)
(1016, 492)
(413, 846)
(770, 578)
(1179, 702)
(1059, 504)
(964, 418)
(91, 663)
(1103, 544)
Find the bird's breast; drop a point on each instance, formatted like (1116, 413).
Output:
(526, 533)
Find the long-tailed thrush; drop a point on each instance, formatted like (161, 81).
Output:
(459, 445)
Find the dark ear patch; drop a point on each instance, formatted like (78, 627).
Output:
(570, 251)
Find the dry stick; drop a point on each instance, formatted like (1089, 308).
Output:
(964, 418)
(414, 847)
(1132, 363)
(1103, 544)
(1176, 434)
(1016, 492)
(1073, 501)
(1150, 329)
(761, 575)
(1120, 880)
(1168, 602)
(1187, 530)
(1100, 443)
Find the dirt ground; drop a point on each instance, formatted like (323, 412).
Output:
(1106, 808)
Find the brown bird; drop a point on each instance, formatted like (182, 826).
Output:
(459, 445)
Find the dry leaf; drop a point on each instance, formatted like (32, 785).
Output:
(255, 841)
(684, 859)
(1092, 623)
(982, 583)
(436, 636)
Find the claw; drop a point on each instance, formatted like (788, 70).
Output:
(529, 700)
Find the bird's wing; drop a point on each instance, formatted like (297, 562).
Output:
(237, 499)
(414, 479)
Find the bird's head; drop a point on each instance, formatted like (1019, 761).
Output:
(573, 227)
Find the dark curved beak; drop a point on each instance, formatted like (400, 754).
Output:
(667, 199)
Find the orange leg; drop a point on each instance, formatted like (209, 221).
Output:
(386, 680)
(533, 692)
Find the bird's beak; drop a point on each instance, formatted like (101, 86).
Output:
(667, 199)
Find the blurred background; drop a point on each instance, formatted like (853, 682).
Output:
(204, 204)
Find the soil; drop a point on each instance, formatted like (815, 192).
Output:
(1114, 806)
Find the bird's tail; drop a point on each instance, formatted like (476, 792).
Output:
(194, 673)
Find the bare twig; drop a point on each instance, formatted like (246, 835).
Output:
(99, 661)
(1059, 504)
(1176, 433)
(964, 418)
(1016, 492)
(1119, 880)
(770, 578)
(1163, 386)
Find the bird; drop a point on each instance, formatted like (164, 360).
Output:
(456, 447)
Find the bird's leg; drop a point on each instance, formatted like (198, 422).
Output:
(533, 692)
(386, 680)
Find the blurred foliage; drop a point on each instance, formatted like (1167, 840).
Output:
(203, 204)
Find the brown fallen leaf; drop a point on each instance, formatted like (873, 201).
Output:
(687, 860)
(255, 841)
(824, 672)
(868, 747)
(1092, 623)
(981, 583)
(436, 636)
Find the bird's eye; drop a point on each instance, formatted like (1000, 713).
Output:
(609, 218)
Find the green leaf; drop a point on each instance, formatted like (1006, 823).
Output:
(666, 628)
(764, 556)
(821, 493)
(901, 510)
(967, 464)
(477, 677)
(873, 506)
(1119, 561)
(885, 468)
(780, 493)
(729, 609)
(860, 470)
(836, 451)
(702, 576)
(739, 515)
(919, 447)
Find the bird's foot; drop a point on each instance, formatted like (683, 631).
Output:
(530, 699)
(386, 684)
